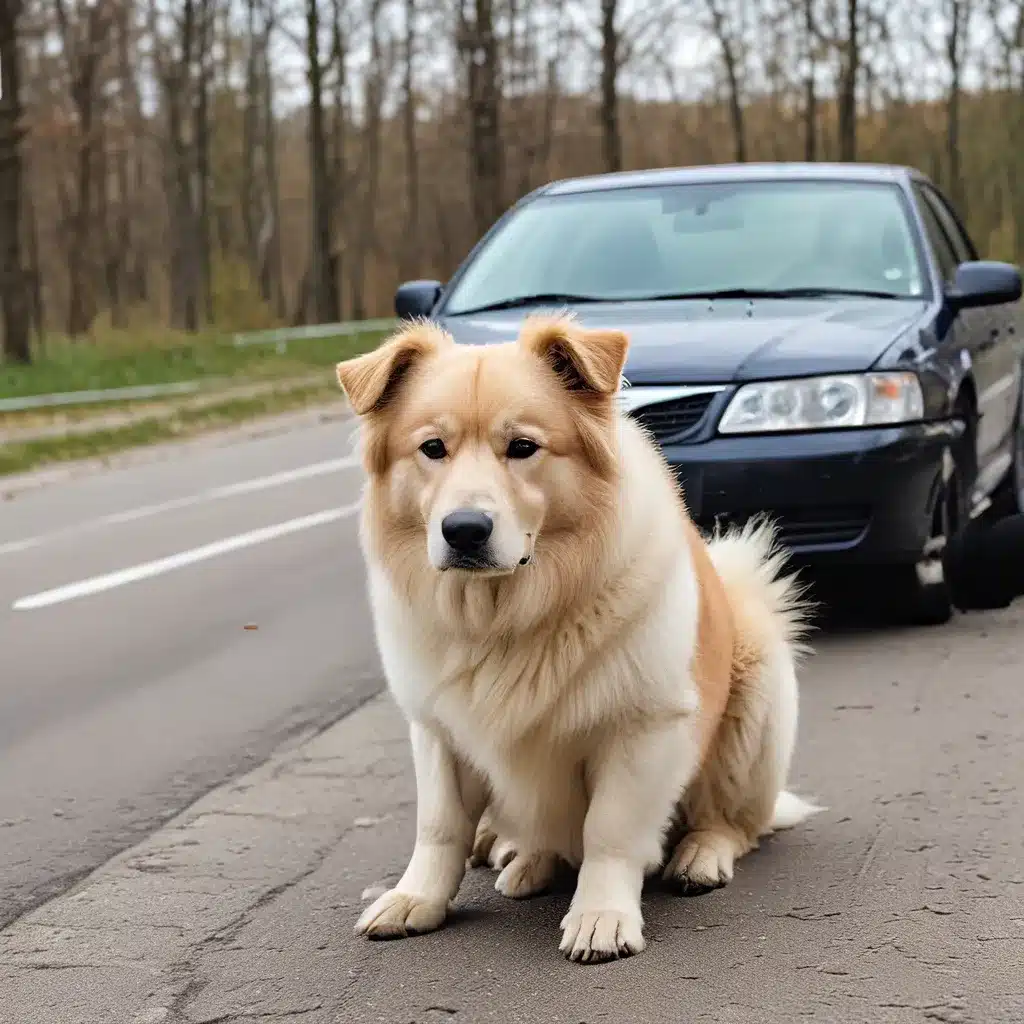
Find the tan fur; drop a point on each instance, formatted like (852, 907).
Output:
(716, 656)
(604, 670)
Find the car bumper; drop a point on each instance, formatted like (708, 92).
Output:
(858, 496)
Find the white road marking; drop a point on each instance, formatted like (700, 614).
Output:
(147, 570)
(131, 515)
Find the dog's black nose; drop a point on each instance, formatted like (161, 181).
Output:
(466, 529)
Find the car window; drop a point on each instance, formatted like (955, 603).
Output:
(961, 244)
(641, 242)
(940, 243)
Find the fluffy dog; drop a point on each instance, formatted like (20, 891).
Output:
(573, 658)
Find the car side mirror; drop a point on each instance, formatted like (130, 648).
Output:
(416, 298)
(984, 283)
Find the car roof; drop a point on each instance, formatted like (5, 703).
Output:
(713, 173)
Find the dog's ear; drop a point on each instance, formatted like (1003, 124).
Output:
(371, 380)
(585, 360)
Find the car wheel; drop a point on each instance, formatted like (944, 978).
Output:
(919, 594)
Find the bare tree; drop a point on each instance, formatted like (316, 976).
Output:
(410, 252)
(611, 54)
(13, 284)
(373, 99)
(849, 75)
(84, 34)
(201, 132)
(478, 48)
(730, 42)
(810, 45)
(323, 291)
(958, 18)
(174, 56)
(1007, 21)
(250, 123)
(339, 139)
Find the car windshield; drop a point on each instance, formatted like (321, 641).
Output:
(650, 242)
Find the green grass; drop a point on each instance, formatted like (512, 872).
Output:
(126, 359)
(23, 456)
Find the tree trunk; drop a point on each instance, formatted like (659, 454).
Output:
(849, 78)
(810, 89)
(79, 316)
(611, 135)
(35, 275)
(83, 50)
(249, 121)
(959, 15)
(373, 97)
(339, 146)
(185, 275)
(323, 293)
(202, 137)
(13, 284)
(411, 255)
(730, 59)
(272, 260)
(479, 47)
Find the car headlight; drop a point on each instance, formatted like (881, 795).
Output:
(824, 403)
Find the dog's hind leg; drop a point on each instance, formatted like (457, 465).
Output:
(486, 842)
(738, 795)
(524, 868)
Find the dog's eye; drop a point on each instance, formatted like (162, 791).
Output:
(521, 448)
(434, 448)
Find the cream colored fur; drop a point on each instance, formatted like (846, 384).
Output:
(553, 713)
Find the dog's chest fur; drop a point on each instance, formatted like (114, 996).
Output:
(526, 711)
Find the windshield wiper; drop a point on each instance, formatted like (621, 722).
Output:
(775, 293)
(540, 299)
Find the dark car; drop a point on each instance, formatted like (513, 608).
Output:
(817, 342)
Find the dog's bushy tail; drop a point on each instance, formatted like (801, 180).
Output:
(772, 615)
(792, 810)
(751, 565)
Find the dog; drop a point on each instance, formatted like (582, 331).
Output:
(581, 670)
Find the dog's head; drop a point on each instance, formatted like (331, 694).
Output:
(478, 455)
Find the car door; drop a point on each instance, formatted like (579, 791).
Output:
(974, 332)
(998, 344)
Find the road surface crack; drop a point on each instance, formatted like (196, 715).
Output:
(260, 1015)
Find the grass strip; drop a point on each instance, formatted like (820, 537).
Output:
(168, 358)
(23, 456)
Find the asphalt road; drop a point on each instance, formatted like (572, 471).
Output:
(119, 706)
(122, 697)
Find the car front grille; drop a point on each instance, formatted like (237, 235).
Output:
(669, 420)
(813, 526)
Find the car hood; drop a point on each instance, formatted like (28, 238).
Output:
(714, 342)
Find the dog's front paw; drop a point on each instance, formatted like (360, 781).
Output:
(397, 915)
(591, 937)
(527, 874)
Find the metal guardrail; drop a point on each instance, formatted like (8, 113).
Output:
(68, 398)
(281, 336)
